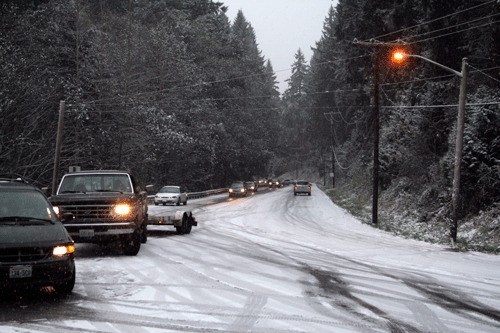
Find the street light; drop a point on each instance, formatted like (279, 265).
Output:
(399, 56)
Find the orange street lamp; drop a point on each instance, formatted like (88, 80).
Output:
(399, 56)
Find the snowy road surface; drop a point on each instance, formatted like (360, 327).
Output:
(271, 263)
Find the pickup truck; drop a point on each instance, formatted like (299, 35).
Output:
(103, 206)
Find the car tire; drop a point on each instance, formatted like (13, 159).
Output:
(144, 231)
(156, 204)
(132, 244)
(66, 287)
(178, 203)
(185, 227)
(295, 194)
(186, 202)
(164, 204)
(309, 194)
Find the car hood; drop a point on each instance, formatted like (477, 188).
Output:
(89, 198)
(32, 235)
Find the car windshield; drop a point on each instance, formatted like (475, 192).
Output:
(95, 183)
(25, 205)
(170, 189)
(237, 185)
(302, 183)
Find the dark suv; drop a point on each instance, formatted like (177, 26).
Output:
(35, 248)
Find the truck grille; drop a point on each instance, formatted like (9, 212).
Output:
(25, 254)
(100, 212)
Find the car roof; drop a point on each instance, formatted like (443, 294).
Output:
(96, 171)
(16, 185)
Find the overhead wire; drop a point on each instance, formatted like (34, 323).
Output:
(433, 20)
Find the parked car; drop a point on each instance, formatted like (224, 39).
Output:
(251, 186)
(302, 187)
(171, 195)
(237, 189)
(35, 248)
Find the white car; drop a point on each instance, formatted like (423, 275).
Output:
(171, 195)
(302, 187)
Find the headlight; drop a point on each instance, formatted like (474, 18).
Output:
(61, 250)
(56, 209)
(122, 209)
(242, 190)
(230, 190)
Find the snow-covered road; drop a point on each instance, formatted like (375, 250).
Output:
(271, 263)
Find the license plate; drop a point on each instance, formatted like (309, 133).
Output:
(86, 233)
(20, 271)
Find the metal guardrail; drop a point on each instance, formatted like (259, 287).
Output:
(195, 195)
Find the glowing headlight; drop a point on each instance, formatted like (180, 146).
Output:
(242, 190)
(63, 249)
(122, 209)
(58, 212)
(230, 190)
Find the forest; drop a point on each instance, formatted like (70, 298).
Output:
(176, 93)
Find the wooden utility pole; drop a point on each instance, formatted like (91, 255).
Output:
(458, 151)
(57, 156)
(376, 134)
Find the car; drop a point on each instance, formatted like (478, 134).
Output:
(237, 189)
(302, 187)
(274, 183)
(171, 195)
(35, 248)
(251, 186)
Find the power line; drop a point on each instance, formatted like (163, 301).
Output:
(454, 32)
(433, 20)
(449, 27)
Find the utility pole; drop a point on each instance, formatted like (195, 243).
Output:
(458, 151)
(376, 134)
(400, 56)
(57, 156)
(329, 116)
(376, 118)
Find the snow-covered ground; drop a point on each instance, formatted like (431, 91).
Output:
(272, 262)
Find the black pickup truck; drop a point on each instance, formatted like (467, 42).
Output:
(103, 206)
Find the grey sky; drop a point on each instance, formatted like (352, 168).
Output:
(282, 27)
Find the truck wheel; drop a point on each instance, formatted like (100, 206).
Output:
(132, 245)
(144, 231)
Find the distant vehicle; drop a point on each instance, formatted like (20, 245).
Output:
(274, 183)
(302, 187)
(35, 248)
(107, 206)
(286, 182)
(237, 189)
(171, 195)
(251, 187)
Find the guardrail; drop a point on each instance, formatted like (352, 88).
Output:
(195, 195)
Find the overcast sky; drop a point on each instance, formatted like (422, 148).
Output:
(282, 27)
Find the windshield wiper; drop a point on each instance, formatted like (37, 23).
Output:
(72, 192)
(24, 219)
